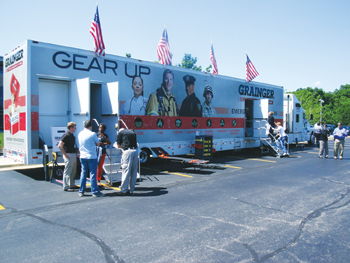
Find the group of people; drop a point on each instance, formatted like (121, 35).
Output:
(321, 137)
(92, 154)
(339, 134)
(163, 103)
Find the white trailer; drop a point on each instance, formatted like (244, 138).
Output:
(295, 123)
(47, 85)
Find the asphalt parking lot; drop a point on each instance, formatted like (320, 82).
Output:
(250, 208)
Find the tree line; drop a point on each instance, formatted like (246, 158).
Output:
(335, 105)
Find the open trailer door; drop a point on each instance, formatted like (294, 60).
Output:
(80, 102)
(110, 99)
(110, 106)
(261, 111)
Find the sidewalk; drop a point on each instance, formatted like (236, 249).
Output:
(8, 163)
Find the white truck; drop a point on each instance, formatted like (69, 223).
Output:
(294, 120)
(47, 85)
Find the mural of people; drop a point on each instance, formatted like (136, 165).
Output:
(191, 105)
(137, 104)
(208, 110)
(162, 102)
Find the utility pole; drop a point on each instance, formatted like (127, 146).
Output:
(321, 100)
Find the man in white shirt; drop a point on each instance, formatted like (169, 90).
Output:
(88, 157)
(282, 138)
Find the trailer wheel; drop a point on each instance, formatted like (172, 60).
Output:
(145, 155)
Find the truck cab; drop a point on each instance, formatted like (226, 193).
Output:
(295, 123)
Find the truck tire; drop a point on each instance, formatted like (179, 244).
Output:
(145, 155)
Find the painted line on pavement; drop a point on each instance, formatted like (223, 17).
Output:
(185, 175)
(252, 159)
(235, 167)
(295, 156)
(261, 160)
(115, 188)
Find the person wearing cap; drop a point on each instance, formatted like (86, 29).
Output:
(282, 138)
(162, 102)
(191, 106)
(339, 139)
(208, 110)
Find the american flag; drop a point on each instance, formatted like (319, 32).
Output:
(163, 49)
(213, 60)
(251, 71)
(96, 33)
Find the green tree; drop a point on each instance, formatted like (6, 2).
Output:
(128, 55)
(207, 69)
(342, 102)
(189, 62)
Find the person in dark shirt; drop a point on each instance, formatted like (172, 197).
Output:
(271, 122)
(68, 149)
(323, 139)
(126, 140)
(191, 106)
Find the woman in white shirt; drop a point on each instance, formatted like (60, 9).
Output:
(282, 138)
(137, 104)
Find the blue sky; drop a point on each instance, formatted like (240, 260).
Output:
(295, 44)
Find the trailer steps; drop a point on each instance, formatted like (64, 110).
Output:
(112, 166)
(269, 146)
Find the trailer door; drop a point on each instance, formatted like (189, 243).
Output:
(110, 99)
(80, 102)
(110, 106)
(53, 106)
(261, 110)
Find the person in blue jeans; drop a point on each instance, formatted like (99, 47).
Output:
(282, 138)
(88, 157)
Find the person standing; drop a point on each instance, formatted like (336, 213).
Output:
(126, 140)
(68, 148)
(103, 139)
(282, 138)
(324, 141)
(191, 106)
(317, 130)
(271, 122)
(339, 139)
(88, 157)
